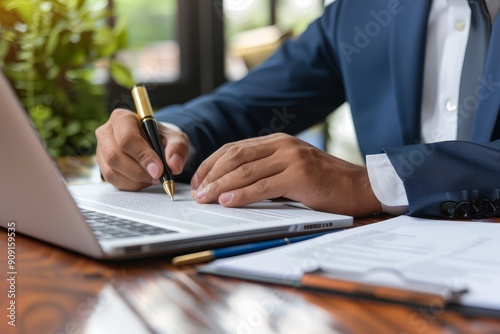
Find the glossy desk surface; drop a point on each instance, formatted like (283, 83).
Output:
(58, 291)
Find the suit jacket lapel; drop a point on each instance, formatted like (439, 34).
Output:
(488, 96)
(407, 57)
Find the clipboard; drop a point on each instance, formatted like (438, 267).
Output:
(403, 260)
(411, 291)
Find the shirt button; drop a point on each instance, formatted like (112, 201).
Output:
(460, 25)
(451, 106)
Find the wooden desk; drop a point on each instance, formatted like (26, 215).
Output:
(58, 291)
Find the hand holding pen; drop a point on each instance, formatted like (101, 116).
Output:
(126, 158)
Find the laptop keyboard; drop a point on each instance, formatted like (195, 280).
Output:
(110, 227)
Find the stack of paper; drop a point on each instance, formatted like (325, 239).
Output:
(407, 254)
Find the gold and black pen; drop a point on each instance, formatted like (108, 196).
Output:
(148, 123)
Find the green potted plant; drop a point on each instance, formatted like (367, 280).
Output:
(58, 55)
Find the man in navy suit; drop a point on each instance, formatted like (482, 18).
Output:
(430, 133)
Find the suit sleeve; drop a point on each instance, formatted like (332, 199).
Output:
(438, 177)
(294, 89)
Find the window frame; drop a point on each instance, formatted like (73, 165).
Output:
(200, 34)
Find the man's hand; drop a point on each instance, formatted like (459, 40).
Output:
(125, 158)
(277, 165)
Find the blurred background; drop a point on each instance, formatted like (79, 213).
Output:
(74, 61)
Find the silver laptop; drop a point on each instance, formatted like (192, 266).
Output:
(102, 222)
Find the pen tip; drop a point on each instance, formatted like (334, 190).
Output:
(169, 187)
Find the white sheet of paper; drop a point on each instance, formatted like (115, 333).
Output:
(451, 253)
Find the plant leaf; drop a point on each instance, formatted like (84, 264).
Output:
(4, 48)
(22, 7)
(52, 43)
(121, 74)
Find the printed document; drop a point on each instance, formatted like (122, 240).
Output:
(399, 251)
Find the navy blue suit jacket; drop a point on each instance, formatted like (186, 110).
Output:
(371, 54)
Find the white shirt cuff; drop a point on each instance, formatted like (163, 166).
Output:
(386, 184)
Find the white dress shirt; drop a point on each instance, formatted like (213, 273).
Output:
(447, 36)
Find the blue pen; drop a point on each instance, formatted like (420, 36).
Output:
(240, 249)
